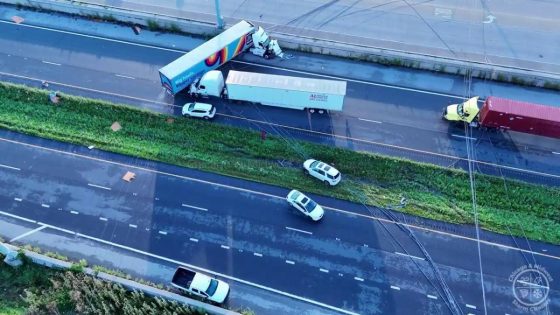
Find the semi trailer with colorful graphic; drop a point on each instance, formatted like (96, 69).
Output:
(189, 68)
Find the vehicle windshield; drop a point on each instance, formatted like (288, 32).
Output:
(212, 287)
(310, 206)
(191, 107)
(460, 110)
(314, 164)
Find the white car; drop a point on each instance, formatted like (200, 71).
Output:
(305, 205)
(199, 110)
(324, 172)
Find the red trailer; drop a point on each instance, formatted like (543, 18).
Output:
(520, 116)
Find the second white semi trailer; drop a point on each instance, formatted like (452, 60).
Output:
(274, 90)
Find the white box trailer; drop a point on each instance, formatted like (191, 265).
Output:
(286, 91)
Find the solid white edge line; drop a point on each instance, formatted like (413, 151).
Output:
(411, 256)
(17, 217)
(97, 186)
(395, 288)
(10, 167)
(224, 246)
(125, 76)
(192, 239)
(193, 207)
(433, 297)
(56, 228)
(27, 233)
(298, 230)
(470, 306)
(290, 262)
(280, 197)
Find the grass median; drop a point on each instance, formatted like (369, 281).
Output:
(504, 206)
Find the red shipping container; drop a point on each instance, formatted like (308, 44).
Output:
(519, 116)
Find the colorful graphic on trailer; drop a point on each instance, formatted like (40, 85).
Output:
(210, 63)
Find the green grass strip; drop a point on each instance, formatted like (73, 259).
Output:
(504, 206)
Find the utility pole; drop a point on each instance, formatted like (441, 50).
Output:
(219, 18)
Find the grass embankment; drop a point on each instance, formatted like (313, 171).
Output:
(434, 192)
(33, 289)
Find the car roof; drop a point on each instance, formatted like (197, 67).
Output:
(327, 168)
(202, 106)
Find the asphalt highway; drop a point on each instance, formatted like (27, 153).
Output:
(353, 261)
(388, 119)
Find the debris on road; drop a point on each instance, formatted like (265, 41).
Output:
(129, 176)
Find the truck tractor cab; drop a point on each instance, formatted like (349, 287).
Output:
(466, 111)
(210, 84)
(264, 46)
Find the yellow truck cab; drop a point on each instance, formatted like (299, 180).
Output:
(467, 111)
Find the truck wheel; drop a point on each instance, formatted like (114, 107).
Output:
(206, 117)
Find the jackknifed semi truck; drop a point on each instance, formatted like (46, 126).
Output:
(274, 90)
(241, 37)
(501, 113)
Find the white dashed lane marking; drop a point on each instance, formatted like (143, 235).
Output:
(258, 254)
(51, 63)
(224, 246)
(290, 262)
(45, 205)
(433, 297)
(162, 232)
(18, 199)
(102, 219)
(395, 288)
(192, 239)
(124, 76)
(97, 186)
(324, 270)
(133, 226)
(74, 212)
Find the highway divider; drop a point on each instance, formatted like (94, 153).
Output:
(504, 206)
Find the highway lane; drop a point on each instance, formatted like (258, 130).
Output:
(376, 118)
(186, 215)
